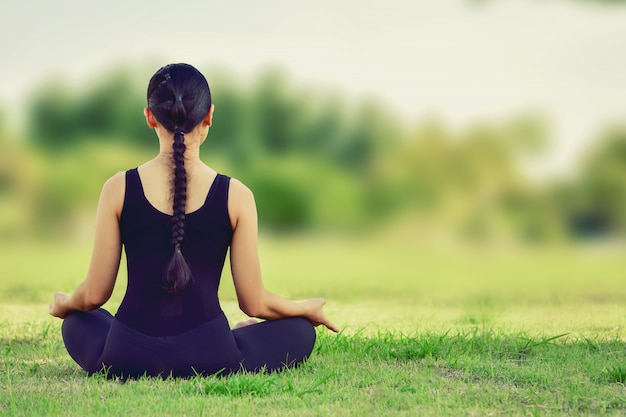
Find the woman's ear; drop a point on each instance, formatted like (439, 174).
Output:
(150, 119)
(208, 119)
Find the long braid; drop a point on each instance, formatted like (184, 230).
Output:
(180, 189)
(179, 98)
(177, 273)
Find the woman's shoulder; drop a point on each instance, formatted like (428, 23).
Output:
(113, 191)
(241, 204)
(239, 190)
(116, 182)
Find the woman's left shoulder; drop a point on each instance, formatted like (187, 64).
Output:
(239, 187)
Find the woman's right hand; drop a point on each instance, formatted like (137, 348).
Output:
(59, 306)
(315, 314)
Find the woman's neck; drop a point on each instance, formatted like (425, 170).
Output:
(192, 148)
(192, 159)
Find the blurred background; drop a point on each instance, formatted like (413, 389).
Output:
(475, 123)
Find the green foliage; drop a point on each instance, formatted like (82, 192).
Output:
(596, 202)
(51, 194)
(528, 133)
(257, 132)
(3, 124)
(52, 120)
(60, 118)
(317, 161)
(281, 203)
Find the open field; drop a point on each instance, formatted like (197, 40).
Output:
(427, 331)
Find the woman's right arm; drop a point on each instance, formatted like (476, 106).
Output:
(98, 285)
(254, 299)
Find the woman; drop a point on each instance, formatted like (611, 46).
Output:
(176, 218)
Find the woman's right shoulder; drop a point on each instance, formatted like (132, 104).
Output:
(116, 182)
(113, 191)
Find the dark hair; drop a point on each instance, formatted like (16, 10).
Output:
(179, 98)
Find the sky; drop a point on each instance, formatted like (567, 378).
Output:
(461, 61)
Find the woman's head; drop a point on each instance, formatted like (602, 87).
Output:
(179, 99)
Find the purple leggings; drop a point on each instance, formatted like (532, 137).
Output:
(97, 341)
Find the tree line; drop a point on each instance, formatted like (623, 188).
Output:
(316, 159)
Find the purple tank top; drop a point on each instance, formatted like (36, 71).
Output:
(146, 234)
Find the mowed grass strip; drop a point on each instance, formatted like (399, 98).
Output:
(384, 267)
(476, 371)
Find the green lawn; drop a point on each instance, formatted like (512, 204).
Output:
(427, 331)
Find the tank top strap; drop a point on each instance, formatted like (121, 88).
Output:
(222, 186)
(134, 189)
(220, 193)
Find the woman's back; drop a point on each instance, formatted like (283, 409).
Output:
(145, 229)
(156, 179)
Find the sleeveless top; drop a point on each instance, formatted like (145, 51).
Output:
(146, 234)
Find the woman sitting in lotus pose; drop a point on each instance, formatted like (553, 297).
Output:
(176, 218)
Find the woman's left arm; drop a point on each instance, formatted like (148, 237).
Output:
(97, 287)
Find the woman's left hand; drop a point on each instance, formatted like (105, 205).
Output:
(315, 313)
(59, 307)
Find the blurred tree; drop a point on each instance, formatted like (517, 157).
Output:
(20, 176)
(373, 138)
(423, 164)
(476, 172)
(481, 165)
(324, 127)
(372, 133)
(530, 213)
(282, 204)
(112, 109)
(51, 117)
(276, 114)
(528, 134)
(312, 158)
(229, 134)
(597, 202)
(3, 125)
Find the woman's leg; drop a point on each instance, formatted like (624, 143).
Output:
(84, 335)
(274, 344)
(210, 349)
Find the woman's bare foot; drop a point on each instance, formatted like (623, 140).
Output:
(245, 323)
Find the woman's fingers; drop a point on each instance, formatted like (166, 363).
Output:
(59, 296)
(55, 309)
(319, 317)
(329, 325)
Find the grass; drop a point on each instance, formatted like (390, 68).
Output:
(426, 332)
(476, 372)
